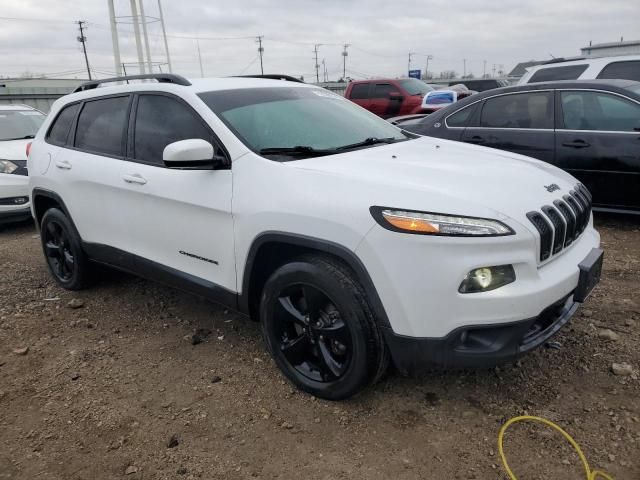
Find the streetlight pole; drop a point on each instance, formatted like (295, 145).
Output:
(426, 68)
(344, 61)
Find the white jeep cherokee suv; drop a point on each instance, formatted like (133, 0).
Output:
(351, 241)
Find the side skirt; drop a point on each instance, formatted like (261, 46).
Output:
(142, 267)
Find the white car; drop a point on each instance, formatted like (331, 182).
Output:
(351, 241)
(621, 67)
(18, 125)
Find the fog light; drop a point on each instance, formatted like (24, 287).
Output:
(487, 278)
(20, 200)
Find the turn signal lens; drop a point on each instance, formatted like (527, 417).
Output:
(410, 224)
(487, 278)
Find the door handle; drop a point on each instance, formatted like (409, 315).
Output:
(576, 144)
(134, 178)
(63, 165)
(476, 139)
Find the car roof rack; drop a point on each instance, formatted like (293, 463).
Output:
(273, 76)
(562, 60)
(160, 77)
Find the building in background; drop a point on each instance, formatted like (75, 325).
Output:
(612, 49)
(38, 93)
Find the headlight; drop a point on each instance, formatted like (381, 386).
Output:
(438, 224)
(7, 167)
(487, 278)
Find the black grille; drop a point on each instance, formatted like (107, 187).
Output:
(545, 231)
(558, 226)
(569, 219)
(561, 224)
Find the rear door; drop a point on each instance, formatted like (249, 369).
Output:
(84, 164)
(381, 102)
(180, 219)
(598, 142)
(360, 94)
(517, 122)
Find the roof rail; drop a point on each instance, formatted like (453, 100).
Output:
(273, 76)
(160, 77)
(562, 60)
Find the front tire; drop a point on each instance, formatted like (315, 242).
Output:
(61, 246)
(320, 329)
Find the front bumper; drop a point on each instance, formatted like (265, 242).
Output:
(12, 187)
(482, 345)
(15, 215)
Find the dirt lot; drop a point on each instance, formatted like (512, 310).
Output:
(103, 388)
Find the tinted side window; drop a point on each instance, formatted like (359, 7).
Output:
(161, 120)
(382, 90)
(522, 110)
(461, 117)
(569, 72)
(599, 111)
(60, 127)
(101, 125)
(624, 70)
(360, 91)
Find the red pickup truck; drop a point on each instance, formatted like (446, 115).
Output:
(389, 97)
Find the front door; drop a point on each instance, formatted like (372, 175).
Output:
(383, 103)
(598, 142)
(517, 122)
(180, 219)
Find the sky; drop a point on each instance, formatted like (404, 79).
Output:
(40, 37)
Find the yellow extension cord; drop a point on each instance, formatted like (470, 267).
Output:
(591, 475)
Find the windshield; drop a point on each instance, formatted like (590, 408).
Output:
(270, 119)
(415, 87)
(19, 124)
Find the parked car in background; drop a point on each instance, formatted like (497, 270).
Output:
(388, 97)
(590, 129)
(623, 67)
(481, 84)
(438, 99)
(18, 125)
(353, 242)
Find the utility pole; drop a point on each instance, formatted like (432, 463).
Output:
(494, 71)
(315, 51)
(464, 67)
(484, 69)
(143, 20)
(260, 52)
(82, 39)
(324, 71)
(114, 39)
(164, 34)
(136, 30)
(199, 57)
(344, 61)
(426, 68)
(411, 54)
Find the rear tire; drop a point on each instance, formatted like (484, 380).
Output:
(62, 249)
(320, 329)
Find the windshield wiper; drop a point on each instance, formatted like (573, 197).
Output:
(368, 141)
(18, 138)
(297, 150)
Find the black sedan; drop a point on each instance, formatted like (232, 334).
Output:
(589, 128)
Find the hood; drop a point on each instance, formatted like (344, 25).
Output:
(14, 149)
(459, 178)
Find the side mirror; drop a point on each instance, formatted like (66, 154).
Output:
(395, 96)
(193, 153)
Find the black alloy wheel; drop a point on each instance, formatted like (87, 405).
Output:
(312, 334)
(62, 250)
(320, 329)
(57, 248)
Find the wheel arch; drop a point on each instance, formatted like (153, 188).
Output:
(42, 200)
(271, 250)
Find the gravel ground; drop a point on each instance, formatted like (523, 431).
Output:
(110, 386)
